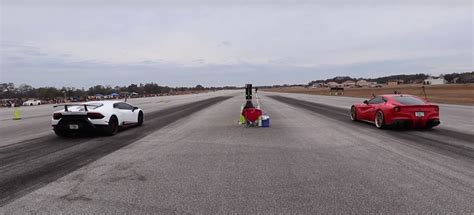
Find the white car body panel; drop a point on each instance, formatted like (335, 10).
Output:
(106, 108)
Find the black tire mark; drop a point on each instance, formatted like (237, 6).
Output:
(342, 115)
(33, 174)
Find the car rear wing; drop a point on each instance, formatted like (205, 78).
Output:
(77, 104)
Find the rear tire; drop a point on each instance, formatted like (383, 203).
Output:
(113, 126)
(379, 120)
(140, 119)
(353, 114)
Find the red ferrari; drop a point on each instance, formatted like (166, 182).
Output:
(397, 110)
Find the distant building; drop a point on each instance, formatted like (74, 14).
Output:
(332, 84)
(317, 84)
(435, 80)
(394, 82)
(373, 84)
(362, 83)
(349, 83)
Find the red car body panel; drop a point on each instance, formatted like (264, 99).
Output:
(397, 113)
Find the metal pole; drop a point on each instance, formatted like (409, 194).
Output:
(424, 92)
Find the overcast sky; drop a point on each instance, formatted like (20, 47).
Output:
(215, 43)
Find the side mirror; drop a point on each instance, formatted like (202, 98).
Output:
(366, 102)
(134, 108)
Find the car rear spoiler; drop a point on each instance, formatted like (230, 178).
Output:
(77, 104)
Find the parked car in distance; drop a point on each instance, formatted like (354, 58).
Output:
(32, 102)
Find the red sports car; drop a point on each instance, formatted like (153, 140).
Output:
(397, 110)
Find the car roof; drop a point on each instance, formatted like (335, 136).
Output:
(396, 95)
(108, 102)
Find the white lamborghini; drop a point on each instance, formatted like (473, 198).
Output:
(32, 102)
(106, 116)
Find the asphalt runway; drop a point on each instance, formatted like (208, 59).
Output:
(312, 159)
(36, 119)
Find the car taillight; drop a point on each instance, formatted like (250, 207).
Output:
(396, 109)
(95, 115)
(57, 116)
(436, 108)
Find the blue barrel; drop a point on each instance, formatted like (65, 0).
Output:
(265, 121)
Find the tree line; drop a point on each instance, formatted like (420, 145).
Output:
(467, 77)
(9, 90)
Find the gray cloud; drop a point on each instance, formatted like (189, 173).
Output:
(43, 70)
(224, 43)
(267, 42)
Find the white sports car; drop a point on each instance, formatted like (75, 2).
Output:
(32, 102)
(106, 116)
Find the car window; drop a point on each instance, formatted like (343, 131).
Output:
(377, 100)
(123, 106)
(118, 105)
(409, 100)
(127, 106)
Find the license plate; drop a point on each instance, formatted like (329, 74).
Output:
(73, 127)
(419, 114)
